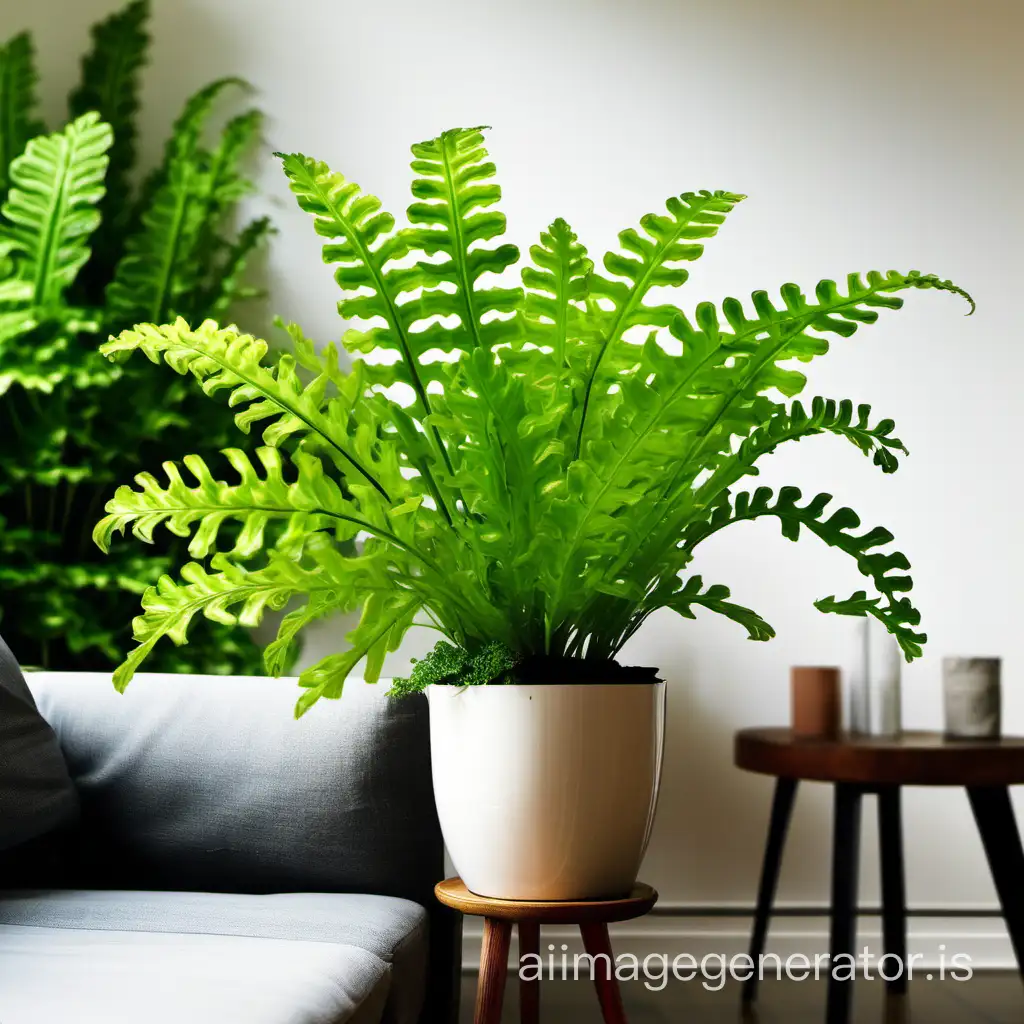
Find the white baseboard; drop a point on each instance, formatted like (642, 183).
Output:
(983, 939)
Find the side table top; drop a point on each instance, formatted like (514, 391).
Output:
(910, 759)
(453, 893)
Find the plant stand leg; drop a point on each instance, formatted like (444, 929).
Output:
(845, 860)
(529, 990)
(597, 944)
(993, 812)
(490, 989)
(782, 810)
(894, 895)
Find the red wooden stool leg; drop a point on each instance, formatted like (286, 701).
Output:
(490, 988)
(529, 990)
(596, 942)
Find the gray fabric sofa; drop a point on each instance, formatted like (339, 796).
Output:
(231, 863)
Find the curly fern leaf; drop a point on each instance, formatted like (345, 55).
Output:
(453, 215)
(362, 243)
(898, 617)
(230, 595)
(18, 122)
(50, 210)
(279, 653)
(110, 85)
(652, 261)
(716, 599)
(386, 619)
(457, 192)
(826, 416)
(310, 503)
(682, 411)
(210, 265)
(225, 359)
(186, 134)
(556, 284)
(164, 262)
(885, 570)
(755, 346)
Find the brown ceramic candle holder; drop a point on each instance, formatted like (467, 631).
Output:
(817, 704)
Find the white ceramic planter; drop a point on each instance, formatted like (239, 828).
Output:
(547, 792)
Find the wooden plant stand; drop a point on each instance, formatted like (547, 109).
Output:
(593, 918)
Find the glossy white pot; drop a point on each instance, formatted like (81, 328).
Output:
(547, 792)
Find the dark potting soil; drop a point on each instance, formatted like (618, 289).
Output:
(542, 669)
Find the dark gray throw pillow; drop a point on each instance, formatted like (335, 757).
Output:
(36, 791)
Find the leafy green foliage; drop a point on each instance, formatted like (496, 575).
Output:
(109, 86)
(529, 471)
(18, 119)
(177, 263)
(72, 425)
(50, 210)
(450, 665)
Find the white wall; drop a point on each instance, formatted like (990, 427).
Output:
(883, 134)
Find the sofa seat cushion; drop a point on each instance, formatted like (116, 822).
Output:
(55, 975)
(392, 931)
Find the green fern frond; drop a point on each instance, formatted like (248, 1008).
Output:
(362, 242)
(885, 569)
(225, 359)
(230, 595)
(50, 210)
(278, 654)
(164, 261)
(386, 619)
(188, 129)
(794, 423)
(716, 599)
(898, 616)
(18, 121)
(456, 191)
(694, 404)
(210, 265)
(110, 85)
(310, 503)
(556, 286)
(652, 261)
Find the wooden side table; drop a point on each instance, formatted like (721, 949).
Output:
(856, 765)
(593, 917)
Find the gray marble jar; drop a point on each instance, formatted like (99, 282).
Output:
(973, 697)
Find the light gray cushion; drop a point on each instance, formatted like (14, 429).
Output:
(59, 975)
(209, 783)
(392, 930)
(36, 791)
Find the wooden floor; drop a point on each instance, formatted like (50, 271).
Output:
(988, 998)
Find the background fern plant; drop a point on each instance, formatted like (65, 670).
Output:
(82, 254)
(515, 466)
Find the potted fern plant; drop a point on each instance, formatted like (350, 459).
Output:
(530, 471)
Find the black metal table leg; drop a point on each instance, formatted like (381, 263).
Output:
(993, 812)
(782, 809)
(894, 895)
(845, 861)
